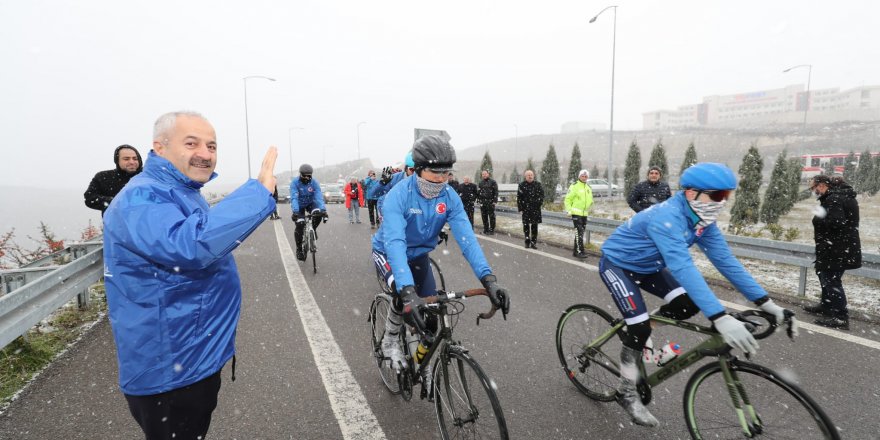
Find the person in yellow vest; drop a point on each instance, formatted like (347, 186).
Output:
(577, 204)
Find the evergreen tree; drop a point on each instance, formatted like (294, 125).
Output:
(605, 174)
(530, 165)
(865, 174)
(616, 175)
(778, 195)
(745, 208)
(828, 169)
(594, 172)
(849, 167)
(658, 159)
(876, 187)
(574, 164)
(486, 165)
(503, 178)
(631, 172)
(794, 181)
(514, 176)
(690, 158)
(550, 174)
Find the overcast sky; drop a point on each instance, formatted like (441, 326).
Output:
(78, 78)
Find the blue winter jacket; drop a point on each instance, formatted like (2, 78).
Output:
(380, 189)
(172, 285)
(660, 236)
(411, 225)
(303, 195)
(369, 184)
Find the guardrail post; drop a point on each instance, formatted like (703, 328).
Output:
(588, 236)
(83, 298)
(802, 282)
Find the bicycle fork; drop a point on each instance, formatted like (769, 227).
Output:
(748, 418)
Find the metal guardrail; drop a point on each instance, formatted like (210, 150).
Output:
(794, 254)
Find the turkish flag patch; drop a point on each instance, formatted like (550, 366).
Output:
(441, 208)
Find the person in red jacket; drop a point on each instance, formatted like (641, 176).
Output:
(354, 192)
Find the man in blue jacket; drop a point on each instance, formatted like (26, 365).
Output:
(650, 252)
(415, 211)
(305, 198)
(369, 183)
(173, 290)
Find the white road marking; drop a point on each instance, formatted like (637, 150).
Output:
(356, 420)
(803, 325)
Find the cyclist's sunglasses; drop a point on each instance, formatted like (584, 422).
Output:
(716, 196)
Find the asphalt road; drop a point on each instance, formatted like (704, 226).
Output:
(286, 366)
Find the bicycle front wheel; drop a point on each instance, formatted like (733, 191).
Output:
(465, 399)
(769, 405)
(313, 245)
(593, 370)
(378, 317)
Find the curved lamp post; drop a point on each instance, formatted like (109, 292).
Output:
(359, 138)
(290, 147)
(807, 103)
(246, 129)
(613, 55)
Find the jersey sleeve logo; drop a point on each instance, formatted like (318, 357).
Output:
(440, 208)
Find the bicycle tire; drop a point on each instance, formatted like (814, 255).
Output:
(594, 373)
(314, 247)
(783, 409)
(378, 315)
(304, 246)
(438, 274)
(465, 396)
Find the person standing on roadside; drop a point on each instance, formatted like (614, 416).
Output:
(468, 193)
(450, 180)
(173, 290)
(577, 204)
(354, 200)
(649, 192)
(275, 215)
(488, 196)
(369, 183)
(838, 246)
(529, 199)
(106, 184)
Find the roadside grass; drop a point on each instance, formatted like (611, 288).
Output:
(28, 355)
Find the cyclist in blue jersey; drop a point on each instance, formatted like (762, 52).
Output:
(389, 178)
(414, 212)
(305, 198)
(650, 252)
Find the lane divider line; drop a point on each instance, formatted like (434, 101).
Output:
(804, 325)
(352, 411)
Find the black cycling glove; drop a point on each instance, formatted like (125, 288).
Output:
(497, 294)
(387, 172)
(411, 313)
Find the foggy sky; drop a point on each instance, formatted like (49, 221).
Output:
(79, 78)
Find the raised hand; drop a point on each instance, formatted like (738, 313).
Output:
(267, 171)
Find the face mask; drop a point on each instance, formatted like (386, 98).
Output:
(707, 211)
(429, 189)
(305, 179)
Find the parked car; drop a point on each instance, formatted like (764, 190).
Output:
(283, 194)
(600, 187)
(333, 193)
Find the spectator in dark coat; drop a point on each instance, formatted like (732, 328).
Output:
(450, 180)
(106, 184)
(468, 193)
(838, 248)
(529, 198)
(488, 196)
(649, 192)
(275, 215)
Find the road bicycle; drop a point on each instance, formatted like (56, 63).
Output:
(310, 237)
(464, 397)
(726, 398)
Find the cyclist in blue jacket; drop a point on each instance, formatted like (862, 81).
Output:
(415, 211)
(305, 198)
(390, 178)
(650, 252)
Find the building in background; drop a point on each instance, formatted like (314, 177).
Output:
(579, 126)
(769, 107)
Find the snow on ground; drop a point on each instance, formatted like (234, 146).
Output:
(863, 294)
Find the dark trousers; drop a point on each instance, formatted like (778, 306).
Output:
(371, 207)
(487, 212)
(181, 414)
(469, 209)
(300, 229)
(833, 296)
(580, 225)
(530, 230)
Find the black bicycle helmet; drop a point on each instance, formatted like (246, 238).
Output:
(433, 152)
(306, 169)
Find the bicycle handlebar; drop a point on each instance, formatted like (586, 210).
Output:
(753, 326)
(443, 297)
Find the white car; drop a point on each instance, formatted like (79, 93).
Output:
(600, 187)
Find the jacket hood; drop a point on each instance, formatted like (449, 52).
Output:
(136, 152)
(844, 190)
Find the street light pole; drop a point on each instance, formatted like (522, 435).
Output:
(246, 128)
(290, 147)
(515, 144)
(359, 137)
(613, 55)
(807, 103)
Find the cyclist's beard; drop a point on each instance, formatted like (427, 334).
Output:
(429, 189)
(707, 211)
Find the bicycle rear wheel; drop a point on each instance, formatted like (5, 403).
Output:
(379, 310)
(594, 371)
(775, 407)
(465, 399)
